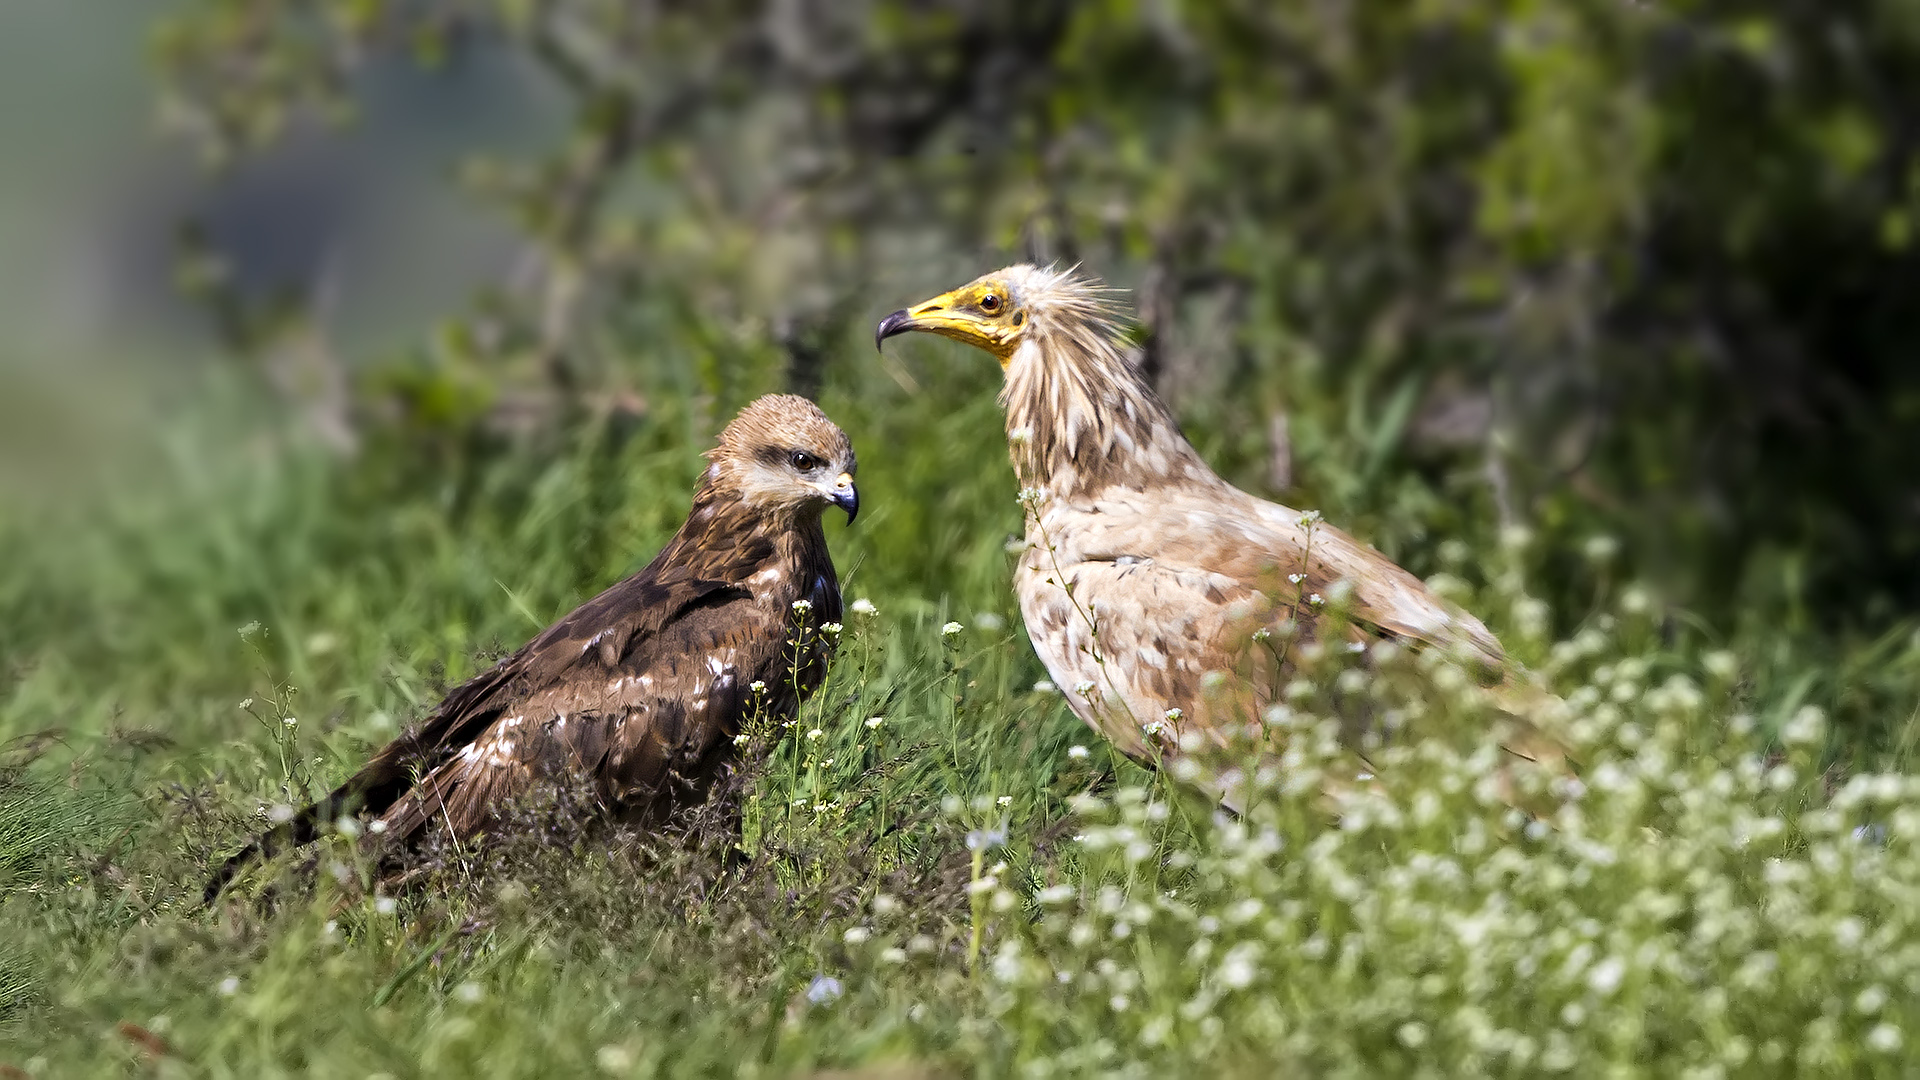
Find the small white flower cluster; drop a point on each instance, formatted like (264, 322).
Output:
(1690, 887)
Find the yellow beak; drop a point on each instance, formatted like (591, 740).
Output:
(949, 317)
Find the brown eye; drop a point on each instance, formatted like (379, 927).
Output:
(804, 461)
(990, 303)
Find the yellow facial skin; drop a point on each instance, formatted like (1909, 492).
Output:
(981, 314)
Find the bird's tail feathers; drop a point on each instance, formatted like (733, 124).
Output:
(302, 829)
(361, 792)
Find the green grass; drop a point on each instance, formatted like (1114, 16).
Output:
(1700, 902)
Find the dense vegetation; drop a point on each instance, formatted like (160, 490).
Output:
(1592, 313)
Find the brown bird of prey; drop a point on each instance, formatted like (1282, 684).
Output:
(1146, 578)
(642, 689)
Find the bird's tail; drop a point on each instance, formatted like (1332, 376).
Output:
(371, 790)
(302, 829)
(1534, 717)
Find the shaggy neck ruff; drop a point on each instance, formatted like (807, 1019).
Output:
(1080, 419)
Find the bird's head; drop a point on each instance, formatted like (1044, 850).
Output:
(782, 455)
(999, 312)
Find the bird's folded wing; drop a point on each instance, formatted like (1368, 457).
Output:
(1269, 552)
(599, 636)
(1186, 583)
(655, 725)
(595, 641)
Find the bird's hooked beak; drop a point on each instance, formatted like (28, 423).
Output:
(844, 495)
(956, 315)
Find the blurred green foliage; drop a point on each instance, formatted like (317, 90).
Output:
(1640, 264)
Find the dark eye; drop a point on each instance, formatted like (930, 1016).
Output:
(990, 303)
(804, 461)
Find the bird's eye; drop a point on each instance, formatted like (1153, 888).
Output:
(990, 303)
(804, 461)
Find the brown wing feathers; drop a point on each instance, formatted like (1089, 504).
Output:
(642, 688)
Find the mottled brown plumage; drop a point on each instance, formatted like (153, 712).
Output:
(641, 689)
(1145, 575)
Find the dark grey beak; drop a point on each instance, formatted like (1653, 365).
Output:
(846, 496)
(897, 323)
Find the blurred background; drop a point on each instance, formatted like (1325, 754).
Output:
(1636, 278)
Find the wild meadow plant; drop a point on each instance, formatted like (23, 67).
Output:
(1697, 898)
(934, 868)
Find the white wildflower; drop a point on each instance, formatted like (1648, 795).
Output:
(290, 722)
(985, 840)
(815, 733)
(385, 905)
(1721, 664)
(377, 826)
(863, 606)
(951, 629)
(831, 629)
(1076, 752)
(1884, 1038)
(856, 935)
(757, 687)
(1808, 726)
(987, 620)
(1606, 976)
(801, 607)
(1237, 970)
(1004, 800)
(1084, 688)
(1848, 932)
(280, 813)
(874, 722)
(468, 992)
(1045, 686)
(229, 986)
